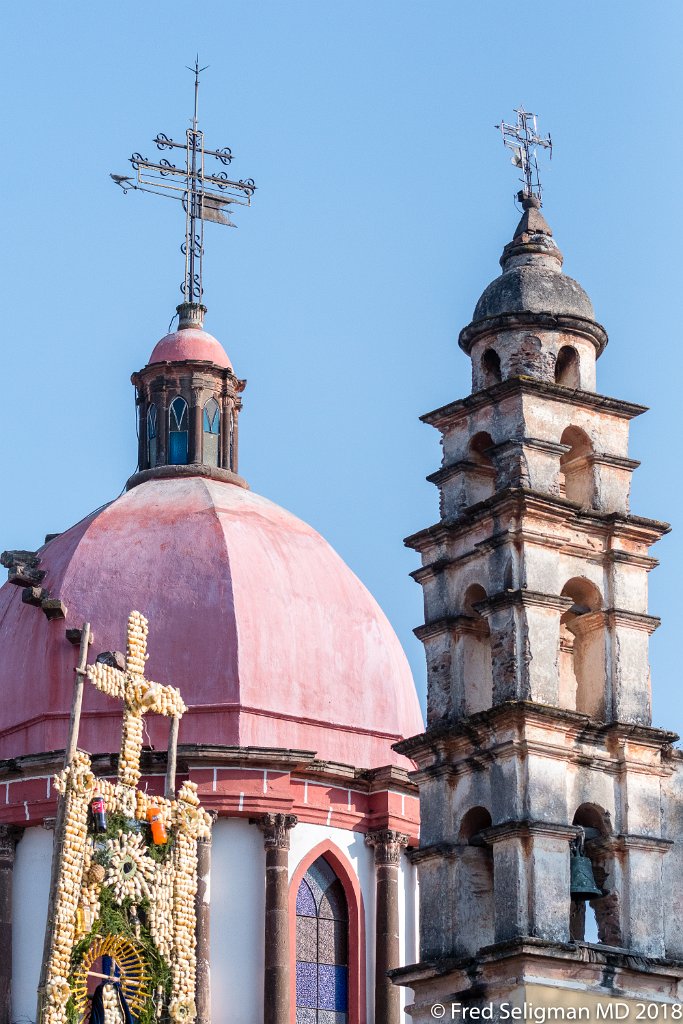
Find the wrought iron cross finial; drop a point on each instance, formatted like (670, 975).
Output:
(206, 194)
(523, 138)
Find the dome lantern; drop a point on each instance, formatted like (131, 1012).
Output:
(188, 401)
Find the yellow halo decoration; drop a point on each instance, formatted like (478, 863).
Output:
(129, 959)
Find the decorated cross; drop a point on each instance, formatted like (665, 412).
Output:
(139, 695)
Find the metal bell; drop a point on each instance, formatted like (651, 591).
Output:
(582, 884)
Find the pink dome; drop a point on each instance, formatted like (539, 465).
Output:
(273, 641)
(190, 343)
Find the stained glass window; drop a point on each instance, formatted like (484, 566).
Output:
(212, 423)
(152, 435)
(177, 438)
(322, 952)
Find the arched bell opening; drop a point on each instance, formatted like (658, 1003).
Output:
(476, 652)
(567, 367)
(582, 650)
(594, 905)
(475, 883)
(576, 468)
(490, 368)
(481, 478)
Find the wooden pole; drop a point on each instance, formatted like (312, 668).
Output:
(58, 841)
(203, 912)
(171, 758)
(77, 699)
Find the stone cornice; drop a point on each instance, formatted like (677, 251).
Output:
(238, 782)
(181, 472)
(520, 500)
(566, 323)
(521, 829)
(526, 957)
(477, 728)
(523, 598)
(446, 415)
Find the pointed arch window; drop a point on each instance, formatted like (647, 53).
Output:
(152, 436)
(212, 426)
(178, 432)
(322, 947)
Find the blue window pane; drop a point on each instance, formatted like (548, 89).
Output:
(305, 1016)
(177, 447)
(330, 1017)
(332, 988)
(305, 904)
(212, 419)
(306, 985)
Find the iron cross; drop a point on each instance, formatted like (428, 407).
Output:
(207, 193)
(523, 138)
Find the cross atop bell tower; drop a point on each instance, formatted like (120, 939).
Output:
(523, 139)
(205, 191)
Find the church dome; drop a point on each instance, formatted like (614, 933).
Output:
(273, 641)
(190, 343)
(532, 280)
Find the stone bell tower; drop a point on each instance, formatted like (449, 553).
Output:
(536, 636)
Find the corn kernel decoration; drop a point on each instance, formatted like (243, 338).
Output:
(119, 868)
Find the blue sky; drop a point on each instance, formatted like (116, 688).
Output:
(384, 200)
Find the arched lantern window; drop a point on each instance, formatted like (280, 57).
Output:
(178, 432)
(322, 947)
(212, 424)
(152, 436)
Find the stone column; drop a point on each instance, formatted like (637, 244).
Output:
(196, 427)
(234, 466)
(276, 982)
(162, 426)
(224, 453)
(143, 406)
(203, 911)
(8, 841)
(387, 844)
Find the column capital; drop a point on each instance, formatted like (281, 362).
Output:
(388, 844)
(276, 829)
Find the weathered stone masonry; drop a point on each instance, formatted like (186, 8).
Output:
(536, 636)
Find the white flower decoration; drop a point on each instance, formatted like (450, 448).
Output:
(182, 1009)
(131, 871)
(58, 991)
